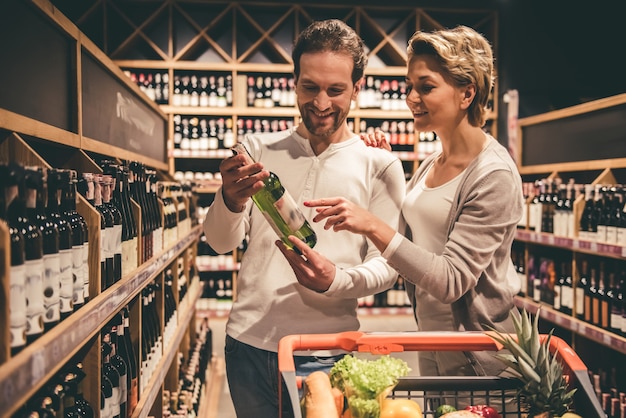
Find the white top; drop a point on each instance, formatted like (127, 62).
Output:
(426, 210)
(270, 303)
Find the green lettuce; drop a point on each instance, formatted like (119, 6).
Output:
(365, 383)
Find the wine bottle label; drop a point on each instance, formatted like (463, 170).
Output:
(86, 270)
(18, 306)
(65, 277)
(51, 287)
(115, 403)
(288, 210)
(580, 301)
(34, 296)
(78, 296)
(567, 299)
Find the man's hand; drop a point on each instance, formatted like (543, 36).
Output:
(240, 181)
(313, 270)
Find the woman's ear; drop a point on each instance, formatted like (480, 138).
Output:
(469, 92)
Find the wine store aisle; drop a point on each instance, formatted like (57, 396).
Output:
(385, 323)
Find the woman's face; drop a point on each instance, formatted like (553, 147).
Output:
(325, 90)
(434, 101)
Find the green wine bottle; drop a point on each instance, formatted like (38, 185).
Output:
(279, 208)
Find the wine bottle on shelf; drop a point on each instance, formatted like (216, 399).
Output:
(600, 213)
(567, 289)
(53, 211)
(108, 404)
(155, 321)
(594, 297)
(44, 409)
(583, 301)
(17, 271)
(106, 234)
(183, 282)
(137, 189)
(116, 201)
(151, 335)
(108, 185)
(112, 374)
(132, 247)
(87, 187)
(585, 226)
(79, 229)
(21, 210)
(51, 256)
(603, 300)
(279, 208)
(74, 404)
(120, 365)
(82, 408)
(155, 213)
(127, 351)
(614, 307)
(169, 213)
(170, 317)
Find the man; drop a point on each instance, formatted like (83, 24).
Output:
(319, 157)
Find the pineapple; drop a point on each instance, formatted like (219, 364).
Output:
(544, 391)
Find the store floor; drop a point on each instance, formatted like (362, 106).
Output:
(386, 323)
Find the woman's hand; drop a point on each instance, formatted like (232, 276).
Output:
(376, 139)
(342, 215)
(313, 270)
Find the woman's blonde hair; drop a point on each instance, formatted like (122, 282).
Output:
(466, 57)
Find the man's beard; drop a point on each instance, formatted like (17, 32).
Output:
(319, 130)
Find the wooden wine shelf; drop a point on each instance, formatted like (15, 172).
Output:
(26, 372)
(573, 324)
(572, 244)
(147, 399)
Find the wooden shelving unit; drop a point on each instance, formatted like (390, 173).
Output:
(586, 144)
(56, 125)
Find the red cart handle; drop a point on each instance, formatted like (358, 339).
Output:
(388, 342)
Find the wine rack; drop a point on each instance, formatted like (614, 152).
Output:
(247, 46)
(54, 129)
(553, 230)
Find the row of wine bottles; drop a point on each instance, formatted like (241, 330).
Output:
(62, 396)
(125, 369)
(189, 89)
(595, 294)
(267, 91)
(184, 400)
(262, 90)
(609, 387)
(50, 274)
(551, 210)
(49, 247)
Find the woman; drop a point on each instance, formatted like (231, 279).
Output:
(461, 208)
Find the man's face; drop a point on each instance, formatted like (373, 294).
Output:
(325, 90)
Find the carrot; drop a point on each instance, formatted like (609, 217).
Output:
(319, 401)
(338, 395)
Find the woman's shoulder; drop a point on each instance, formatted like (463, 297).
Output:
(496, 156)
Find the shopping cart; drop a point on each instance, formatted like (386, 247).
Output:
(430, 392)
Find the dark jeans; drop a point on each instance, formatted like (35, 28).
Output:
(253, 378)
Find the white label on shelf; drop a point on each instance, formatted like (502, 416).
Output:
(38, 366)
